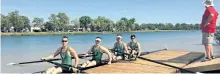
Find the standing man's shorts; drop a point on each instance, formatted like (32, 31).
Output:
(207, 38)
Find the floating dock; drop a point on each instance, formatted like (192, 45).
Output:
(212, 66)
(172, 57)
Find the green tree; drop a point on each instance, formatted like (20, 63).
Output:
(121, 24)
(184, 26)
(5, 25)
(178, 26)
(69, 28)
(63, 20)
(84, 22)
(26, 22)
(151, 26)
(197, 26)
(93, 26)
(126, 24)
(137, 26)
(38, 22)
(130, 24)
(16, 20)
(161, 26)
(53, 20)
(143, 26)
(50, 26)
(169, 26)
(191, 27)
(110, 26)
(76, 24)
(103, 23)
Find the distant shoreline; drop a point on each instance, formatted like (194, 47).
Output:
(74, 33)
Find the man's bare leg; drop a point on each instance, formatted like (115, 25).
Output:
(50, 70)
(92, 63)
(85, 64)
(207, 51)
(211, 52)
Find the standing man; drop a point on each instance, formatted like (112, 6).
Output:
(120, 48)
(208, 26)
(66, 54)
(97, 51)
(134, 47)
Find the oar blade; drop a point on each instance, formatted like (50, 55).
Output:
(11, 64)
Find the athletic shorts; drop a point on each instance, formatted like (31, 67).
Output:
(65, 70)
(207, 38)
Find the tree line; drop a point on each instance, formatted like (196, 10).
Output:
(61, 22)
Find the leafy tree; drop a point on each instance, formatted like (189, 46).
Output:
(85, 21)
(131, 24)
(17, 21)
(50, 26)
(169, 26)
(178, 26)
(103, 23)
(38, 22)
(63, 20)
(53, 20)
(76, 24)
(26, 22)
(5, 24)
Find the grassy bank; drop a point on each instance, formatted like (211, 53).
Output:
(70, 33)
(161, 31)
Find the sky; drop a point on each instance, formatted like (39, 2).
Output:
(145, 11)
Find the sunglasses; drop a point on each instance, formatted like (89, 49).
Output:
(132, 37)
(64, 41)
(97, 40)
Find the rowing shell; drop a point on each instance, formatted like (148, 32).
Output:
(104, 62)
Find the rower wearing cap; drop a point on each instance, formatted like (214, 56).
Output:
(97, 51)
(134, 47)
(120, 48)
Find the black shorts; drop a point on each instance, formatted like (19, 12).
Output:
(65, 70)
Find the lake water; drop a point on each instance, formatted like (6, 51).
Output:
(30, 48)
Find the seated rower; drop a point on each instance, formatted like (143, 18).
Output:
(97, 51)
(134, 47)
(66, 54)
(119, 48)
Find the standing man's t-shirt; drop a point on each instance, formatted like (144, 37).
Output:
(211, 27)
(209, 30)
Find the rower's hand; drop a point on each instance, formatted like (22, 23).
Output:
(43, 58)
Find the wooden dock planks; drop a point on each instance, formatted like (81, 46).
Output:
(176, 58)
(204, 66)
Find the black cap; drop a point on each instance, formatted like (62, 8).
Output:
(133, 36)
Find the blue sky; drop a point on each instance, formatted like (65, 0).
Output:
(145, 11)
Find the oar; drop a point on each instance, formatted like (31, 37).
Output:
(32, 62)
(146, 59)
(80, 56)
